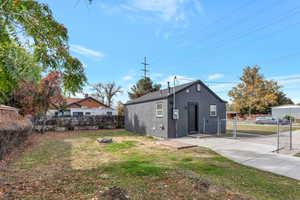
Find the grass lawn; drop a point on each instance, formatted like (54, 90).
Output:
(73, 165)
(258, 129)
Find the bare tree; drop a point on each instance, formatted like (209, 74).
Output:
(105, 92)
(99, 92)
(110, 90)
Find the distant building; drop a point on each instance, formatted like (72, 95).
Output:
(198, 110)
(87, 106)
(286, 110)
(231, 115)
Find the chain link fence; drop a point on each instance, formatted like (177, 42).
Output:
(278, 133)
(213, 125)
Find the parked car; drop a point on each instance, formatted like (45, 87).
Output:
(271, 120)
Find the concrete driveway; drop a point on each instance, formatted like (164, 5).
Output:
(256, 152)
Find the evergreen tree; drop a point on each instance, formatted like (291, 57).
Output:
(142, 87)
(283, 99)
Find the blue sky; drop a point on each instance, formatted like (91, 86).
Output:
(193, 39)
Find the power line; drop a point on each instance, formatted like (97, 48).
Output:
(221, 82)
(235, 82)
(282, 17)
(270, 35)
(240, 21)
(217, 21)
(259, 28)
(279, 59)
(237, 9)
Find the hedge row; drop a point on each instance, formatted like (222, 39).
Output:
(80, 123)
(12, 134)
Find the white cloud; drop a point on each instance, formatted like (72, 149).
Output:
(127, 78)
(168, 10)
(215, 76)
(85, 51)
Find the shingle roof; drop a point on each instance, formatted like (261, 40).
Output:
(72, 100)
(162, 94)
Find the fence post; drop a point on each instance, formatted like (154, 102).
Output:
(204, 125)
(235, 127)
(218, 126)
(278, 131)
(291, 133)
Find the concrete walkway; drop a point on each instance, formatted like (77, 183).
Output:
(254, 152)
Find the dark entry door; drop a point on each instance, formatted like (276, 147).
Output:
(193, 117)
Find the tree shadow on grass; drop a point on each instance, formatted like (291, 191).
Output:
(47, 171)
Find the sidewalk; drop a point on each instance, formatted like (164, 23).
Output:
(253, 152)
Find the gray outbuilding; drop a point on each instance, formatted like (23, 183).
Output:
(197, 109)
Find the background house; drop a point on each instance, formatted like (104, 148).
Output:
(199, 111)
(287, 110)
(87, 106)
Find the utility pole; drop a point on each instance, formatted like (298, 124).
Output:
(145, 70)
(174, 107)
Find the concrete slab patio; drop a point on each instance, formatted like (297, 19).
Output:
(175, 144)
(255, 152)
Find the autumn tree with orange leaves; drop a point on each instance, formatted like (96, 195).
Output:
(255, 94)
(37, 99)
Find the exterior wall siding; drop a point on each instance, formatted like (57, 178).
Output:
(141, 118)
(204, 99)
(91, 111)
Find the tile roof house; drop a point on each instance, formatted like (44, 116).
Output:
(83, 107)
(197, 109)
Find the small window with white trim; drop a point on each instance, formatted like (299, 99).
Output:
(213, 110)
(159, 110)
